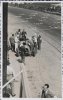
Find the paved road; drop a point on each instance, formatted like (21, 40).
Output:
(49, 24)
(46, 66)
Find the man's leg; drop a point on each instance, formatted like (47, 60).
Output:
(11, 46)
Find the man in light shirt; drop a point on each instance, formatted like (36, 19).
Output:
(16, 42)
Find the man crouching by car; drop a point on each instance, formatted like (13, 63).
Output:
(22, 52)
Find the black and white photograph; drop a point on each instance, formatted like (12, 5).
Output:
(32, 50)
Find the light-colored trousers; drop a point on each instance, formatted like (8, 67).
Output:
(16, 46)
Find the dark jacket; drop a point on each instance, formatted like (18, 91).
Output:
(12, 40)
(47, 94)
(22, 50)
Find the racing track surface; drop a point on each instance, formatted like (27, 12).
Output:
(48, 23)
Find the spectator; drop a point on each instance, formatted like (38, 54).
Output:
(46, 93)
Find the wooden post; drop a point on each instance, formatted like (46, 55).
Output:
(5, 11)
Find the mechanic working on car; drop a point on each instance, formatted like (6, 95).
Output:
(22, 52)
(24, 33)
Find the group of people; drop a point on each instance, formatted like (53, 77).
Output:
(35, 45)
(15, 38)
(37, 41)
(19, 36)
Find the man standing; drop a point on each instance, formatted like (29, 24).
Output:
(12, 42)
(24, 35)
(19, 31)
(20, 34)
(16, 42)
(34, 39)
(39, 40)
